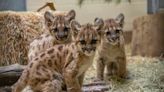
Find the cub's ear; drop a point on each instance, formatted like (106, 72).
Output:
(71, 15)
(120, 19)
(98, 24)
(75, 27)
(48, 18)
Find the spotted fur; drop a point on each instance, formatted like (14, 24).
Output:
(63, 64)
(111, 52)
(59, 32)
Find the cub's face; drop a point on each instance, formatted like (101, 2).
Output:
(87, 37)
(113, 29)
(59, 25)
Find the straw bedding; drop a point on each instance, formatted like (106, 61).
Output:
(144, 75)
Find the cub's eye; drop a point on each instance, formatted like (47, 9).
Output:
(55, 30)
(83, 42)
(108, 33)
(93, 41)
(117, 31)
(66, 29)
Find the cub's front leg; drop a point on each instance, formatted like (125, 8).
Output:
(81, 78)
(71, 70)
(122, 72)
(72, 81)
(109, 69)
(100, 68)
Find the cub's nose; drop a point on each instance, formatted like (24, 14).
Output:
(61, 34)
(89, 49)
(114, 38)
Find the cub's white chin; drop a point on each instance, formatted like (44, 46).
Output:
(113, 43)
(89, 53)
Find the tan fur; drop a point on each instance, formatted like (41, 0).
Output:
(58, 20)
(111, 53)
(62, 65)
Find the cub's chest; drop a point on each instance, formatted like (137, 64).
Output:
(84, 64)
(111, 52)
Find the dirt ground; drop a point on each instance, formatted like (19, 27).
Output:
(144, 75)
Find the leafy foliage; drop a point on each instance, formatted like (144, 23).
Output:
(80, 2)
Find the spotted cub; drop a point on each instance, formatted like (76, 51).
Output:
(59, 32)
(63, 64)
(111, 52)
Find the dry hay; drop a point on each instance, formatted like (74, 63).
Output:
(145, 75)
(17, 29)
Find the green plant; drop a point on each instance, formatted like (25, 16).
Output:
(80, 2)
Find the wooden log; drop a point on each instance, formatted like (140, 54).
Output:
(10, 74)
(100, 86)
(5, 89)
